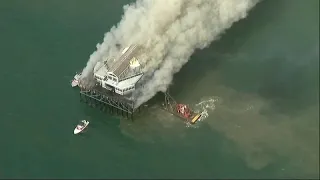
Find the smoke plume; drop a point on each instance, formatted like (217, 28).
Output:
(169, 32)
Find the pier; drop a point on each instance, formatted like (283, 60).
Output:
(109, 101)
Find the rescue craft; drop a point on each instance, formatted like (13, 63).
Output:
(185, 112)
(181, 110)
(80, 127)
(75, 81)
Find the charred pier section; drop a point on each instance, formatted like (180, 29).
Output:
(109, 102)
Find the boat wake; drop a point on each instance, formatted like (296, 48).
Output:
(205, 106)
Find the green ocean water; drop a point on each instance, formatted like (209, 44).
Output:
(259, 84)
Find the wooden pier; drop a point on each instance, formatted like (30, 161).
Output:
(109, 101)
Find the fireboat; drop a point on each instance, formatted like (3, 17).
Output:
(181, 110)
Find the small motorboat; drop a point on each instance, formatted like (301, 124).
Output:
(80, 127)
(75, 81)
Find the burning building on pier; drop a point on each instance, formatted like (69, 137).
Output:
(115, 80)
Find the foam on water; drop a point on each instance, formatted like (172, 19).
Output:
(205, 107)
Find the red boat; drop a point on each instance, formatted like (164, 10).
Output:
(184, 111)
(180, 110)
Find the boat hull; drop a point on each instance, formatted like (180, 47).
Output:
(77, 131)
(192, 120)
(74, 83)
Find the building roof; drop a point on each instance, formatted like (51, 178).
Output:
(128, 82)
(122, 63)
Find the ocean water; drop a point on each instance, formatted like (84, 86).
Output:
(259, 85)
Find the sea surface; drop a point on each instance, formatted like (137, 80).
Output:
(259, 84)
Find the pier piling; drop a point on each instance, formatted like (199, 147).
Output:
(109, 102)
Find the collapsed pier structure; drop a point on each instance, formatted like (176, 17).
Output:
(115, 81)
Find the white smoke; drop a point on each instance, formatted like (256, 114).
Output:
(169, 31)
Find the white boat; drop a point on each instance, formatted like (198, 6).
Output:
(80, 127)
(75, 81)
